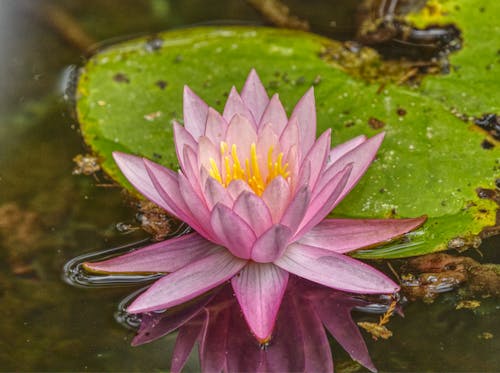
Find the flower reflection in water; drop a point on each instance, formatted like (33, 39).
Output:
(215, 324)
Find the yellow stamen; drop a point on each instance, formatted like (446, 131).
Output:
(251, 173)
(214, 171)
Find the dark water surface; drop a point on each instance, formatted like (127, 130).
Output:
(48, 215)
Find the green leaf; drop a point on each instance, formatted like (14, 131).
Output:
(471, 87)
(430, 162)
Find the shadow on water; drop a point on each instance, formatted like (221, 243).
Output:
(48, 216)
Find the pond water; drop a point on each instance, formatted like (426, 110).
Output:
(48, 215)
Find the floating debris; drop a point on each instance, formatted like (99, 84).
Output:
(86, 165)
(468, 304)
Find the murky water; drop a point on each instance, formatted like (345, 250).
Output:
(48, 216)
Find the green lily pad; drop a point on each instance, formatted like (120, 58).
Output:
(471, 86)
(430, 162)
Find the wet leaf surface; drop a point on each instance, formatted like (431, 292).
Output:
(431, 162)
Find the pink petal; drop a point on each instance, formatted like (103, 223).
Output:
(361, 157)
(235, 105)
(191, 169)
(215, 193)
(208, 151)
(167, 184)
(344, 235)
(216, 126)
(242, 134)
(275, 113)
(135, 171)
(195, 113)
(187, 337)
(259, 289)
(277, 196)
(214, 340)
(344, 148)
(296, 210)
(236, 187)
(305, 114)
(232, 231)
(335, 313)
(335, 270)
(253, 211)
(317, 156)
(164, 256)
(271, 245)
(197, 208)
(155, 325)
(254, 95)
(291, 136)
(182, 138)
(324, 202)
(188, 282)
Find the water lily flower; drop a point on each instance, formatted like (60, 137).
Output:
(215, 323)
(256, 187)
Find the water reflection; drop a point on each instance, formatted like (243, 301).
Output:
(214, 322)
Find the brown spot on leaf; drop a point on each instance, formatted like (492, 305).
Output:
(375, 123)
(121, 78)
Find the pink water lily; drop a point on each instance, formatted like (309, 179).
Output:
(256, 187)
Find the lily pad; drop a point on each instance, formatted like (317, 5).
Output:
(471, 86)
(430, 162)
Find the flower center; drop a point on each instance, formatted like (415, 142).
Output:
(249, 170)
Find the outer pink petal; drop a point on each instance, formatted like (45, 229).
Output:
(344, 148)
(216, 126)
(317, 156)
(254, 211)
(167, 184)
(277, 197)
(259, 289)
(344, 235)
(188, 282)
(335, 270)
(254, 95)
(232, 231)
(324, 202)
(135, 171)
(275, 113)
(296, 210)
(305, 114)
(195, 113)
(235, 105)
(361, 157)
(197, 208)
(187, 337)
(271, 245)
(191, 169)
(164, 256)
(183, 138)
